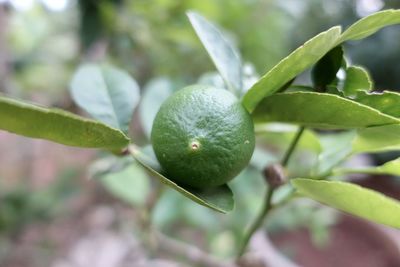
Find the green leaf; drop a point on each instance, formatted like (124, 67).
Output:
(377, 139)
(357, 78)
(336, 148)
(288, 68)
(219, 199)
(108, 94)
(223, 54)
(371, 24)
(353, 199)
(58, 126)
(324, 72)
(130, 184)
(319, 110)
(390, 167)
(155, 93)
(386, 102)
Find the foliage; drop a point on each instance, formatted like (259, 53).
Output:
(363, 121)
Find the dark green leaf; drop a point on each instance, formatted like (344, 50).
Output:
(353, 199)
(386, 102)
(222, 53)
(357, 78)
(371, 24)
(319, 110)
(288, 68)
(108, 94)
(219, 198)
(324, 72)
(58, 126)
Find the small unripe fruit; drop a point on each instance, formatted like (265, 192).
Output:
(202, 136)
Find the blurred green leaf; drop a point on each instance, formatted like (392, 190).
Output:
(377, 139)
(324, 71)
(288, 68)
(58, 126)
(370, 24)
(319, 110)
(336, 147)
(353, 199)
(223, 54)
(357, 78)
(130, 184)
(108, 94)
(219, 198)
(155, 93)
(386, 102)
(390, 167)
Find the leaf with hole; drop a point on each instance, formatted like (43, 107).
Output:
(357, 78)
(351, 198)
(386, 102)
(219, 198)
(58, 126)
(108, 94)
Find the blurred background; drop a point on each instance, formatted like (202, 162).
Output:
(59, 209)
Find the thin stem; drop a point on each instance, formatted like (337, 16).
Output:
(258, 221)
(268, 196)
(292, 146)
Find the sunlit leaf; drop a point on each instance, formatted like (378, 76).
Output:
(377, 139)
(386, 102)
(288, 68)
(319, 110)
(371, 24)
(353, 199)
(357, 78)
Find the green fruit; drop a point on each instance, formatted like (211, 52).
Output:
(202, 136)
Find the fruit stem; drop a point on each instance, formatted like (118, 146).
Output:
(268, 196)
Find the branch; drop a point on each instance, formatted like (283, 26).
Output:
(266, 253)
(194, 255)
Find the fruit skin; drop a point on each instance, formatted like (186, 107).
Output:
(202, 136)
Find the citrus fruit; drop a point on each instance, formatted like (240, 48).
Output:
(202, 136)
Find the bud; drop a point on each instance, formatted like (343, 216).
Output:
(275, 175)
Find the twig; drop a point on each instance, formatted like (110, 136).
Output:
(266, 252)
(193, 254)
(258, 221)
(268, 197)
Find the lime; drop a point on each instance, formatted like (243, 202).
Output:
(202, 136)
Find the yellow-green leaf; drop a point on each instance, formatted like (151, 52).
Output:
(353, 199)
